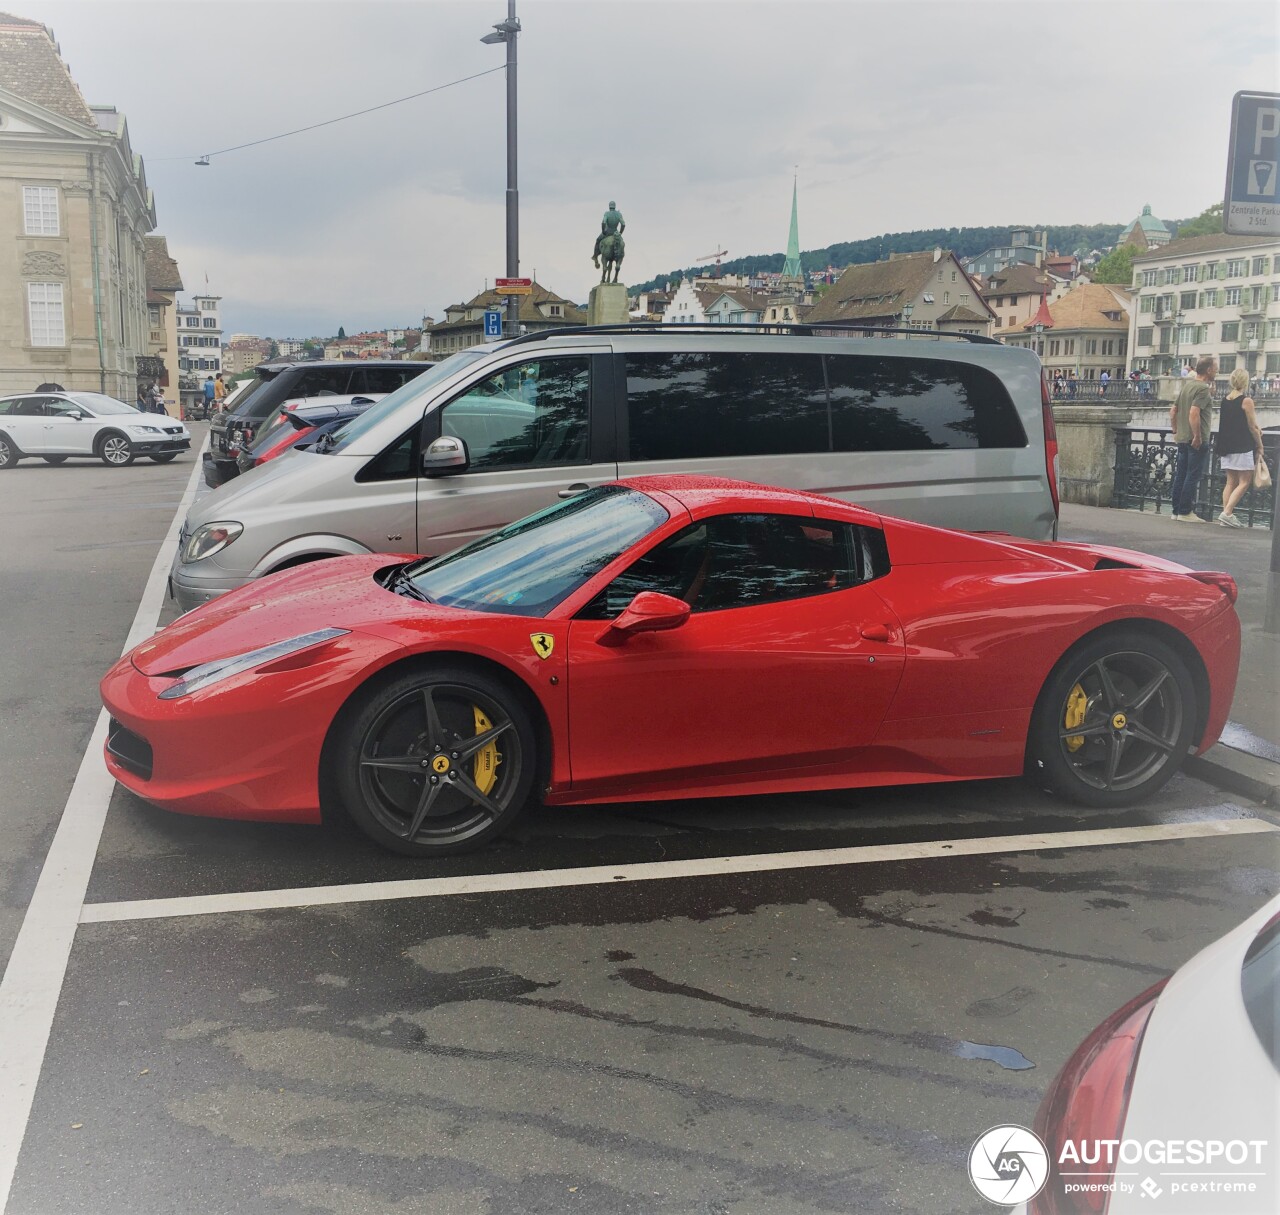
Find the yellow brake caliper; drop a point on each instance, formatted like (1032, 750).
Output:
(487, 758)
(1077, 706)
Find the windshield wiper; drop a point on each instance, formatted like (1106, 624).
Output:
(401, 582)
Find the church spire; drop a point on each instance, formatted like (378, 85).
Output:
(791, 267)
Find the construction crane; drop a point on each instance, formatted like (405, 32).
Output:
(717, 256)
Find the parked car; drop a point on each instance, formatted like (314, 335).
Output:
(950, 430)
(297, 422)
(233, 428)
(58, 426)
(429, 699)
(1191, 1069)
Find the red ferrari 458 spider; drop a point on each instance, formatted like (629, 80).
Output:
(666, 637)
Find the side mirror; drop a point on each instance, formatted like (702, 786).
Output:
(651, 612)
(445, 455)
(75, 415)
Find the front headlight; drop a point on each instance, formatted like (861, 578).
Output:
(209, 539)
(145, 430)
(224, 668)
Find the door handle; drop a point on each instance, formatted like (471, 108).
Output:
(877, 632)
(572, 491)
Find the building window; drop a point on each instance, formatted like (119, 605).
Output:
(1255, 296)
(40, 211)
(44, 310)
(1235, 267)
(1187, 299)
(1171, 275)
(1146, 303)
(1150, 278)
(208, 306)
(1273, 329)
(1230, 330)
(1144, 336)
(1273, 362)
(1069, 346)
(1189, 274)
(1209, 299)
(210, 322)
(1091, 346)
(1231, 297)
(1259, 265)
(154, 315)
(1226, 363)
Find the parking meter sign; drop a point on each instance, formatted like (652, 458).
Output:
(492, 324)
(1252, 204)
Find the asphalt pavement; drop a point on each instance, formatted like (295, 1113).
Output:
(748, 1006)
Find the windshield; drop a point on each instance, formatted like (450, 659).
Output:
(528, 567)
(358, 427)
(244, 397)
(99, 405)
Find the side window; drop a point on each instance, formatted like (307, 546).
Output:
(321, 380)
(53, 406)
(9, 405)
(30, 407)
(911, 404)
(396, 462)
(700, 405)
(531, 415)
(381, 379)
(734, 561)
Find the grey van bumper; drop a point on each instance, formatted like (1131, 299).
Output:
(192, 585)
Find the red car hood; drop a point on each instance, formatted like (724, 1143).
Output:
(337, 593)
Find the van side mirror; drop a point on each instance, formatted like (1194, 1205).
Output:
(651, 612)
(447, 454)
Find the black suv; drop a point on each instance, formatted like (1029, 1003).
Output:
(279, 382)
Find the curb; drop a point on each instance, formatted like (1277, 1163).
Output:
(1238, 772)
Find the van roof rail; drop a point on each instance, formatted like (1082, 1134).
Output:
(793, 329)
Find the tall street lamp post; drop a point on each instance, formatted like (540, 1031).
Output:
(1177, 340)
(506, 31)
(907, 309)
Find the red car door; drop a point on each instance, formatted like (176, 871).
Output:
(788, 683)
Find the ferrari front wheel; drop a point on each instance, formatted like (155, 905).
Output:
(436, 762)
(1114, 720)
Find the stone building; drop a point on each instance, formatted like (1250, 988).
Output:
(163, 284)
(74, 211)
(1086, 332)
(463, 324)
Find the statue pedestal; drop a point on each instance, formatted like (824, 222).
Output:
(608, 304)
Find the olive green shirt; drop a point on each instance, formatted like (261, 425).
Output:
(1194, 391)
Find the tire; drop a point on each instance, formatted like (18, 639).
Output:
(54, 459)
(410, 774)
(9, 453)
(1114, 720)
(115, 451)
(164, 457)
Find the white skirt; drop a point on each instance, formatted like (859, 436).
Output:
(1240, 461)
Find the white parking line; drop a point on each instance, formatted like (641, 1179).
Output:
(603, 875)
(38, 964)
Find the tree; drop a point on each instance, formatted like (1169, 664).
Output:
(341, 333)
(1207, 223)
(1116, 267)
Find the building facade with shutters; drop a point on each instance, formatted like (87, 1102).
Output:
(1217, 295)
(74, 211)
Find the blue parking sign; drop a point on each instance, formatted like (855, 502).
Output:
(492, 324)
(1252, 204)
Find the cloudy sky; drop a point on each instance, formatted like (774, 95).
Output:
(693, 114)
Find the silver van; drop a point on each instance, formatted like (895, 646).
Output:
(952, 430)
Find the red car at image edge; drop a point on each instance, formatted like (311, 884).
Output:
(665, 637)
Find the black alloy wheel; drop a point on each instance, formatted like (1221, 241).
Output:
(436, 762)
(54, 459)
(1114, 721)
(163, 457)
(115, 450)
(8, 452)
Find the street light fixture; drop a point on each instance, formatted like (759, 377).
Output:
(1177, 337)
(907, 309)
(506, 31)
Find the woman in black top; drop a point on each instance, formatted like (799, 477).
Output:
(1239, 444)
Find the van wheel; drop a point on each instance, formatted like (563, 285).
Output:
(115, 450)
(9, 455)
(54, 459)
(438, 761)
(164, 457)
(1114, 720)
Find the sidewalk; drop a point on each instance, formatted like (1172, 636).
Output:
(1249, 753)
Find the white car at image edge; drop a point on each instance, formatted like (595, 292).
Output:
(58, 426)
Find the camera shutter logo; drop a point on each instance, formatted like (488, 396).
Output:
(1009, 1165)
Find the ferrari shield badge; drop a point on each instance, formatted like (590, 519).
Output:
(543, 644)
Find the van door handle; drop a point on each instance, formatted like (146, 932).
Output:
(572, 491)
(877, 632)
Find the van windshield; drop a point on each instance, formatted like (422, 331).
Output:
(391, 403)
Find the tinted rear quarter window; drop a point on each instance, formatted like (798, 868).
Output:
(690, 405)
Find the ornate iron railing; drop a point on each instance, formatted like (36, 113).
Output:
(1145, 462)
(1144, 392)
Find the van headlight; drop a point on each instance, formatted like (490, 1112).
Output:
(209, 539)
(224, 668)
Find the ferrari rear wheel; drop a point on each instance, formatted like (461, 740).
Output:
(438, 761)
(1114, 721)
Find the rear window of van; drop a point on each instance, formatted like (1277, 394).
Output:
(690, 405)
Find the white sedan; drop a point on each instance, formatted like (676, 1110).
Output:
(58, 425)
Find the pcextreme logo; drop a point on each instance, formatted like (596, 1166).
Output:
(1009, 1165)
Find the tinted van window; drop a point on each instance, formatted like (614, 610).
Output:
(699, 404)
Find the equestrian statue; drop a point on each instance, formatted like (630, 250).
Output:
(609, 244)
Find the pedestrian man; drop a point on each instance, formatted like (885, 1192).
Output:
(1072, 381)
(219, 391)
(1104, 379)
(210, 395)
(143, 403)
(1191, 417)
(156, 396)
